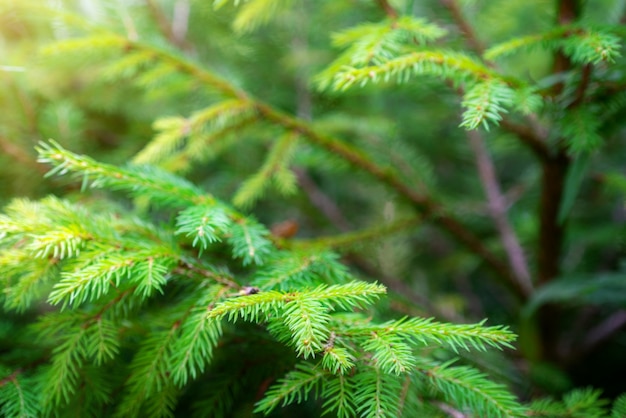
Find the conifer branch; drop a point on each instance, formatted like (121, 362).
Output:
(164, 186)
(528, 136)
(294, 387)
(140, 331)
(428, 332)
(467, 387)
(423, 203)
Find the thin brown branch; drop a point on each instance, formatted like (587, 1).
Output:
(581, 89)
(554, 171)
(388, 9)
(176, 31)
(449, 410)
(129, 25)
(568, 11)
(604, 331)
(400, 287)
(180, 22)
(20, 155)
(498, 211)
(464, 26)
(528, 136)
(551, 230)
(11, 377)
(187, 266)
(321, 200)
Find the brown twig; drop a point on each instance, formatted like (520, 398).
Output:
(180, 22)
(551, 230)
(18, 154)
(581, 89)
(388, 9)
(464, 26)
(529, 136)
(498, 211)
(175, 32)
(10, 378)
(604, 330)
(452, 412)
(321, 201)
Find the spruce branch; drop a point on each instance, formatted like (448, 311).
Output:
(469, 389)
(450, 65)
(18, 396)
(248, 239)
(255, 13)
(295, 387)
(193, 350)
(276, 168)
(199, 130)
(423, 203)
(529, 136)
(338, 393)
(164, 187)
(255, 307)
(150, 374)
(426, 332)
(378, 393)
(581, 44)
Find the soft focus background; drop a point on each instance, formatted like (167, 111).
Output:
(100, 102)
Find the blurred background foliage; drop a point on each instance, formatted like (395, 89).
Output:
(79, 98)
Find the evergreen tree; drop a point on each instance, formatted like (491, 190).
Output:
(177, 284)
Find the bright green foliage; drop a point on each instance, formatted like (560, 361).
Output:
(150, 294)
(579, 403)
(583, 45)
(470, 389)
(619, 407)
(193, 139)
(109, 268)
(18, 397)
(276, 168)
